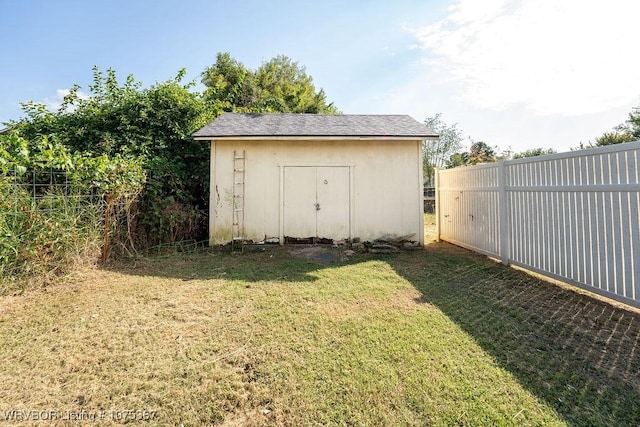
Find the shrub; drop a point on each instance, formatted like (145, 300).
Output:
(52, 208)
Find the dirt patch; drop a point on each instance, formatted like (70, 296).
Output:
(321, 253)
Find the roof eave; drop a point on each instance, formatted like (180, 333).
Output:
(317, 137)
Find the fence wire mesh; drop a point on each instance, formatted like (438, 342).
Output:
(48, 226)
(45, 191)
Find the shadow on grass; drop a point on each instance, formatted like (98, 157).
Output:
(295, 263)
(579, 354)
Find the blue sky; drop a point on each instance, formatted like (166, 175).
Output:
(513, 73)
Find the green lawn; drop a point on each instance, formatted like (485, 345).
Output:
(433, 337)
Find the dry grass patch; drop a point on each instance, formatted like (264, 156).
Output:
(127, 344)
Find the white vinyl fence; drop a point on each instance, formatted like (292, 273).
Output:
(572, 216)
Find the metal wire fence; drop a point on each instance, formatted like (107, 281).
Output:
(46, 190)
(48, 224)
(53, 197)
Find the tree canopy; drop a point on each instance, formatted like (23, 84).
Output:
(479, 152)
(446, 152)
(625, 132)
(633, 122)
(533, 152)
(278, 85)
(229, 85)
(436, 153)
(154, 125)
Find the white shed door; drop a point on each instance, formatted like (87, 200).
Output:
(299, 202)
(316, 202)
(332, 190)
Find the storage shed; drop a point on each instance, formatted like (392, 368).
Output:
(282, 177)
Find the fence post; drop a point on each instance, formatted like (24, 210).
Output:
(437, 187)
(505, 238)
(105, 245)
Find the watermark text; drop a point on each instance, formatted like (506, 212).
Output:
(80, 415)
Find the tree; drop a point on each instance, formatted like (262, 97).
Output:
(278, 85)
(628, 131)
(154, 124)
(445, 152)
(480, 152)
(230, 85)
(285, 86)
(533, 152)
(618, 136)
(435, 154)
(457, 159)
(634, 122)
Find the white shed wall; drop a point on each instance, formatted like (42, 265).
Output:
(385, 185)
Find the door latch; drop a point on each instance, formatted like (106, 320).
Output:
(317, 206)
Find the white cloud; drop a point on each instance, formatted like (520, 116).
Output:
(568, 57)
(55, 102)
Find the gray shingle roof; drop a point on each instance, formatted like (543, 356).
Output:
(314, 125)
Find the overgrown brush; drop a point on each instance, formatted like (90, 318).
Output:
(54, 228)
(46, 237)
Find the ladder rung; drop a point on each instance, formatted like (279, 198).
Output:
(237, 223)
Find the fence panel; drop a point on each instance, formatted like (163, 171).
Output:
(469, 207)
(572, 216)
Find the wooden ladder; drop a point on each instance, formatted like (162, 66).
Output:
(237, 227)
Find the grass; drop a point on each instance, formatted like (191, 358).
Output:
(434, 337)
(44, 239)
